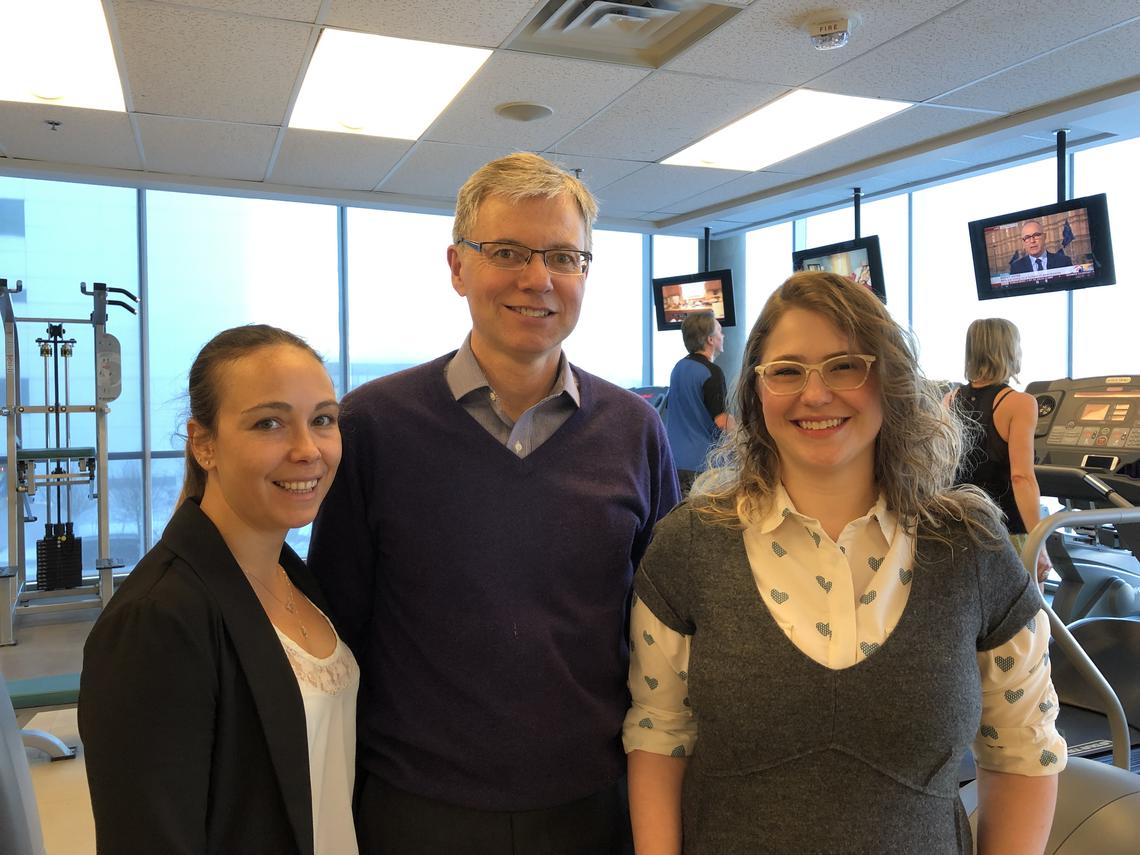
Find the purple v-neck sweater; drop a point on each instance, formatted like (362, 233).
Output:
(486, 596)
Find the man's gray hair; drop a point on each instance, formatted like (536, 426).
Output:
(519, 176)
(696, 329)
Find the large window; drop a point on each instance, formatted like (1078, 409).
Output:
(402, 309)
(889, 219)
(608, 338)
(1101, 343)
(768, 258)
(672, 256)
(830, 227)
(945, 299)
(54, 236)
(217, 262)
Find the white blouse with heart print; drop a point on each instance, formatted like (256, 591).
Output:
(837, 602)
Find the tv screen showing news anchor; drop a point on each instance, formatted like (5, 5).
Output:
(1053, 247)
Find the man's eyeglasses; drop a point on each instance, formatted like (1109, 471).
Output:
(513, 256)
(839, 373)
(1032, 236)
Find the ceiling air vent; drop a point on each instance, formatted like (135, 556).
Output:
(637, 32)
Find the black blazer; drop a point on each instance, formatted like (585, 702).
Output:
(1024, 264)
(191, 718)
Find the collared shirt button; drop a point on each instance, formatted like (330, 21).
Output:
(518, 447)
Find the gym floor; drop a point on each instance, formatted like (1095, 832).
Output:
(55, 646)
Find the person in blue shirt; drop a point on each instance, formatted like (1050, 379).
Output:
(696, 413)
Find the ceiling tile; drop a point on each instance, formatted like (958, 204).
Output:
(596, 172)
(223, 73)
(738, 188)
(342, 161)
(809, 198)
(574, 89)
(1009, 145)
(289, 10)
(1056, 75)
(209, 65)
(765, 43)
(486, 23)
(665, 113)
(656, 186)
(437, 170)
(934, 58)
(1118, 116)
(206, 149)
(907, 128)
(86, 137)
(619, 216)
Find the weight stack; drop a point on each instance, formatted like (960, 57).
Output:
(59, 558)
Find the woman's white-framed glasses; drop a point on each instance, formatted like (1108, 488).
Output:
(514, 256)
(842, 373)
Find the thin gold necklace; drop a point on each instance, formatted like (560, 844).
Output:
(289, 602)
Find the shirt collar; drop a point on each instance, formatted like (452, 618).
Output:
(465, 375)
(783, 509)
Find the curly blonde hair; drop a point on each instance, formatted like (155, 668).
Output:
(919, 444)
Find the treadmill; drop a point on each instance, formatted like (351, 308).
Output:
(1087, 447)
(1087, 450)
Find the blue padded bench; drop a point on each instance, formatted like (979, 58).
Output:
(41, 694)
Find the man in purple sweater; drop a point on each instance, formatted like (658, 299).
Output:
(478, 546)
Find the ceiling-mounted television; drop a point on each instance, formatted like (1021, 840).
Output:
(677, 297)
(1057, 247)
(858, 260)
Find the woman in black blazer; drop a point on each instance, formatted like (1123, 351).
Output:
(211, 683)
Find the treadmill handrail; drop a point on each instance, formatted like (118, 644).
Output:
(1090, 478)
(1117, 721)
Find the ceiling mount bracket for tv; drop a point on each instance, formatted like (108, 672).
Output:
(1062, 165)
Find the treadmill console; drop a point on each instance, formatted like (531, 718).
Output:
(1092, 423)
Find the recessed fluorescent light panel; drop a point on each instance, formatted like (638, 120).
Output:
(381, 86)
(58, 52)
(798, 121)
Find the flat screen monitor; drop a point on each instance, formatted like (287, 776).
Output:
(1057, 247)
(677, 297)
(858, 260)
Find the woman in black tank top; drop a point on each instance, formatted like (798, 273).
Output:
(1001, 461)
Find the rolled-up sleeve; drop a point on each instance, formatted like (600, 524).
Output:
(660, 719)
(1018, 732)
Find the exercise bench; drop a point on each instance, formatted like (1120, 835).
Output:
(42, 694)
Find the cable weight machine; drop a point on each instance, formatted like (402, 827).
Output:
(58, 467)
